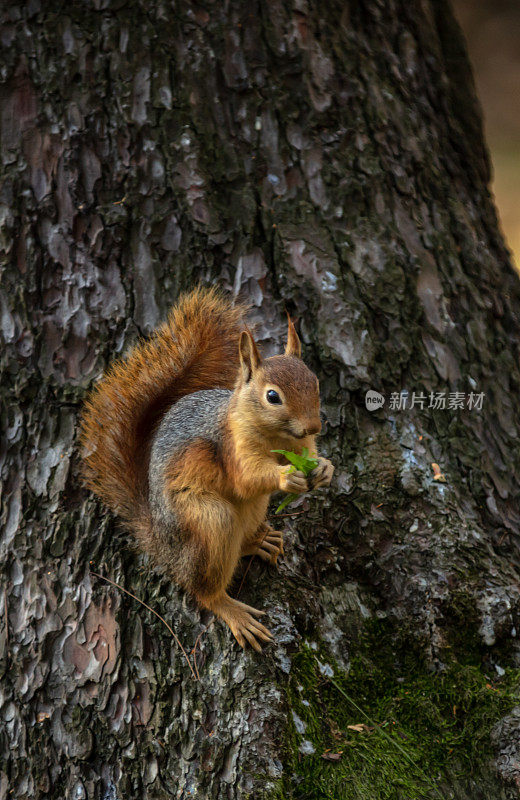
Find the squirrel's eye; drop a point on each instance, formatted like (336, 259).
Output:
(273, 397)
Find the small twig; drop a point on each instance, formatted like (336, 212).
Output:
(291, 514)
(195, 666)
(244, 575)
(153, 612)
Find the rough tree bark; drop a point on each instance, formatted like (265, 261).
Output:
(327, 157)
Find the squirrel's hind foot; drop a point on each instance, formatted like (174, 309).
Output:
(241, 620)
(268, 545)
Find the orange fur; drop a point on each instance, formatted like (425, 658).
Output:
(197, 470)
(195, 349)
(215, 511)
(210, 522)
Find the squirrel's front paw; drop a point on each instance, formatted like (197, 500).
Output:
(293, 482)
(322, 474)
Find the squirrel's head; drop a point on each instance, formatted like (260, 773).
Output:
(281, 393)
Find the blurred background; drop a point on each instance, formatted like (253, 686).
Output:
(492, 30)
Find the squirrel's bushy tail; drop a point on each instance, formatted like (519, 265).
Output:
(197, 348)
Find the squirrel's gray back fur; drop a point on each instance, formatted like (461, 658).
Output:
(197, 416)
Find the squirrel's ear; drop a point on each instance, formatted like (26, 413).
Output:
(293, 347)
(250, 358)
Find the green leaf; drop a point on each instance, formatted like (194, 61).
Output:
(290, 498)
(299, 462)
(302, 462)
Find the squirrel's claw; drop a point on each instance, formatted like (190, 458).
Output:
(271, 547)
(242, 623)
(252, 632)
(322, 474)
(268, 545)
(248, 628)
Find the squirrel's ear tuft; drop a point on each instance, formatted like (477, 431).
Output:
(250, 358)
(293, 347)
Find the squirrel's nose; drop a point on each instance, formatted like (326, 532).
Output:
(313, 427)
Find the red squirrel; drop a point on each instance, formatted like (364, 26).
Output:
(178, 438)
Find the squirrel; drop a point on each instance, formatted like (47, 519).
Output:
(177, 440)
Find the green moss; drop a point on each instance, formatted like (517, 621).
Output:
(426, 734)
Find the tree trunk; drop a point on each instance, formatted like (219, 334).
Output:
(323, 157)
